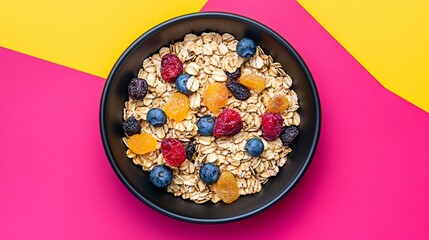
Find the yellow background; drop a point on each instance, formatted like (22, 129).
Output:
(389, 38)
(84, 35)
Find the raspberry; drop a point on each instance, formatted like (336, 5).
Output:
(272, 124)
(227, 124)
(171, 67)
(173, 151)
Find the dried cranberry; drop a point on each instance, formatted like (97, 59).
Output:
(171, 67)
(272, 124)
(227, 124)
(238, 90)
(288, 135)
(137, 89)
(173, 151)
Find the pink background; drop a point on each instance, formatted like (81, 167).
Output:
(368, 179)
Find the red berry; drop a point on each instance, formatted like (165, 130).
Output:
(171, 67)
(173, 151)
(272, 125)
(227, 124)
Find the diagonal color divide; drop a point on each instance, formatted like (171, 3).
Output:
(56, 182)
(389, 38)
(84, 35)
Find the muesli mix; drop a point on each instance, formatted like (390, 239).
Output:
(211, 117)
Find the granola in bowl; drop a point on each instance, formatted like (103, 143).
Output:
(247, 99)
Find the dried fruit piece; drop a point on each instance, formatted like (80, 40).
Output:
(171, 67)
(216, 96)
(190, 150)
(137, 89)
(177, 106)
(278, 104)
(253, 81)
(131, 126)
(235, 75)
(142, 143)
(272, 124)
(238, 90)
(227, 124)
(173, 151)
(227, 187)
(288, 135)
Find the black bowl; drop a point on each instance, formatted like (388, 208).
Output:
(127, 67)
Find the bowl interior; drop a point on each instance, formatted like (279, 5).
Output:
(127, 67)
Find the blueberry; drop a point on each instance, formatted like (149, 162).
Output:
(209, 173)
(246, 48)
(254, 147)
(131, 126)
(156, 117)
(181, 81)
(205, 125)
(161, 176)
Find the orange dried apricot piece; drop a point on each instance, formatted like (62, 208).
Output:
(227, 187)
(278, 104)
(177, 106)
(142, 143)
(253, 81)
(216, 96)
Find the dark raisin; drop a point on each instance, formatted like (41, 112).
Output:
(288, 135)
(238, 90)
(137, 89)
(233, 76)
(190, 150)
(131, 126)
